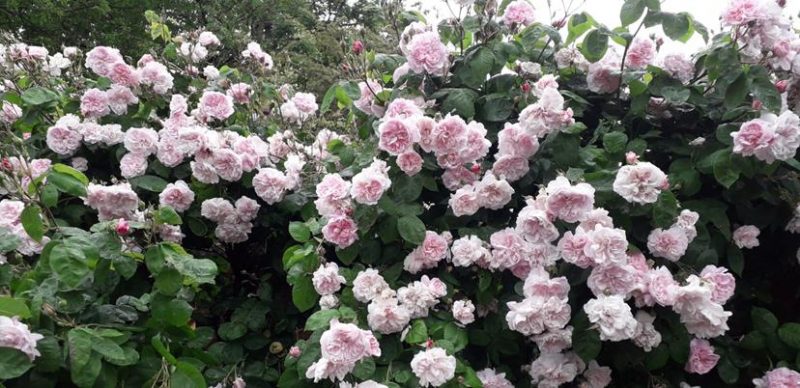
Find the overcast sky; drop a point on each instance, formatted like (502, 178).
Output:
(607, 12)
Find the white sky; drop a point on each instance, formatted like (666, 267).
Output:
(706, 12)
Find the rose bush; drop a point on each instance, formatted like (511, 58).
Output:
(505, 201)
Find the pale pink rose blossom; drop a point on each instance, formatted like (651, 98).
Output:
(464, 311)
(240, 93)
(157, 76)
(368, 285)
(15, 334)
(535, 225)
(328, 302)
(171, 233)
(555, 369)
(646, 337)
(112, 202)
(518, 12)
(606, 245)
(204, 172)
(270, 185)
(342, 346)
(612, 278)
(464, 202)
(386, 316)
(427, 53)
(514, 141)
(341, 231)
(670, 244)
(305, 102)
(370, 183)
(508, 248)
(722, 282)
(572, 248)
(640, 53)
(569, 202)
(661, 286)
(327, 280)
(433, 367)
(554, 340)
(491, 379)
(596, 376)
(702, 358)
(640, 183)
(215, 106)
(678, 65)
(247, 208)
(368, 103)
(10, 113)
(469, 250)
(603, 76)
(403, 108)
(219, 210)
(101, 59)
(119, 97)
(778, 378)
(227, 164)
(10, 212)
(511, 168)
(410, 162)
(434, 248)
(493, 193)
(255, 53)
(419, 296)
(538, 314)
(143, 141)
(63, 140)
(702, 317)
(124, 75)
(132, 164)
(746, 236)
(397, 136)
(207, 38)
(742, 11)
(295, 352)
(612, 316)
(754, 137)
(94, 103)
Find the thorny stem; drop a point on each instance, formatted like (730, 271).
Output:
(624, 55)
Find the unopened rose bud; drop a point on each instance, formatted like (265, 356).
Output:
(757, 104)
(7, 165)
(558, 23)
(123, 228)
(526, 88)
(429, 343)
(26, 135)
(275, 347)
(358, 47)
(782, 85)
(475, 168)
(631, 157)
(665, 185)
(295, 352)
(782, 3)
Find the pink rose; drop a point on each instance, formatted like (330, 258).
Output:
(10, 113)
(567, 202)
(723, 283)
(397, 136)
(370, 183)
(101, 59)
(240, 93)
(17, 335)
(702, 358)
(124, 75)
(410, 162)
(670, 244)
(753, 136)
(464, 311)
(640, 183)
(491, 379)
(216, 106)
(326, 279)
(427, 53)
(778, 378)
(143, 141)
(132, 164)
(341, 231)
(270, 185)
(433, 367)
(518, 12)
(94, 103)
(640, 53)
(746, 236)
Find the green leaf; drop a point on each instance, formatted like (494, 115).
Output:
(725, 171)
(14, 307)
(159, 346)
(411, 229)
(321, 319)
(594, 45)
(168, 215)
(676, 26)
(476, 66)
(64, 169)
(299, 231)
(13, 363)
(737, 91)
(735, 260)
(32, 222)
(418, 332)
(456, 335)
(304, 296)
(407, 188)
(8, 240)
(586, 344)
(231, 331)
(38, 96)
(69, 264)
(728, 372)
(763, 89)
(175, 312)
(149, 183)
(614, 142)
(763, 320)
(789, 333)
(85, 375)
(187, 375)
(50, 195)
(631, 11)
(168, 281)
(657, 358)
(577, 25)
(459, 101)
(67, 183)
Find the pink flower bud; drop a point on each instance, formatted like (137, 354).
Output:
(558, 23)
(631, 157)
(358, 47)
(782, 85)
(7, 165)
(475, 168)
(26, 135)
(429, 344)
(295, 352)
(526, 87)
(757, 104)
(123, 228)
